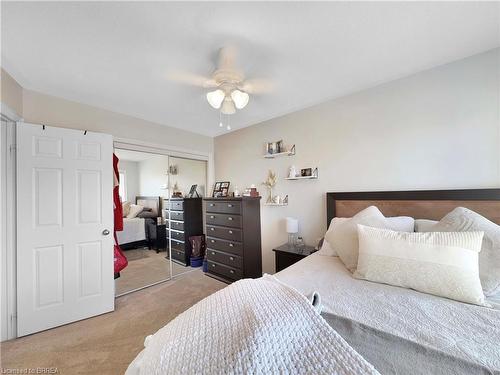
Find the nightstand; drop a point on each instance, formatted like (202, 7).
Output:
(157, 236)
(286, 255)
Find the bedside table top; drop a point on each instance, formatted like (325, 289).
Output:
(304, 250)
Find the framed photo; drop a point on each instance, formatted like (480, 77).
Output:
(221, 189)
(306, 172)
(280, 147)
(193, 191)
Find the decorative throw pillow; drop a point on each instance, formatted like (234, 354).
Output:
(135, 209)
(464, 220)
(443, 264)
(424, 225)
(126, 208)
(342, 236)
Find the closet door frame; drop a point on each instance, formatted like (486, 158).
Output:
(170, 151)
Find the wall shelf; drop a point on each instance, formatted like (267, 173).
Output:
(286, 153)
(314, 176)
(275, 204)
(302, 178)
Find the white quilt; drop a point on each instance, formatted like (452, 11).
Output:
(133, 230)
(250, 327)
(459, 329)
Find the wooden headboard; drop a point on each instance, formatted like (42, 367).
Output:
(420, 204)
(151, 202)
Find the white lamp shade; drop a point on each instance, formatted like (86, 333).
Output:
(292, 225)
(240, 98)
(228, 107)
(215, 98)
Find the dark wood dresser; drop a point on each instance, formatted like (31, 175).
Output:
(184, 218)
(233, 238)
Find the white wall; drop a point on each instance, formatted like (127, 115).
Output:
(189, 172)
(131, 169)
(11, 93)
(436, 129)
(49, 110)
(152, 176)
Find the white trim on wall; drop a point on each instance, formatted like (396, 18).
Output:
(8, 223)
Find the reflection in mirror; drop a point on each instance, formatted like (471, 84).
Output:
(143, 240)
(188, 184)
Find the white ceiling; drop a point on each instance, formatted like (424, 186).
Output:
(117, 55)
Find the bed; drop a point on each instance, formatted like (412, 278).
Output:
(396, 330)
(135, 230)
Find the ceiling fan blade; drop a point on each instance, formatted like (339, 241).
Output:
(191, 79)
(257, 86)
(227, 58)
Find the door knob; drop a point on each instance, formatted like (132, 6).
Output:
(105, 232)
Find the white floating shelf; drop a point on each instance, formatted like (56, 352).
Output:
(275, 204)
(302, 178)
(286, 153)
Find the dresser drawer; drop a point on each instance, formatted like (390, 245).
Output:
(176, 215)
(229, 272)
(231, 260)
(224, 220)
(178, 255)
(224, 207)
(177, 225)
(179, 246)
(177, 235)
(225, 233)
(224, 245)
(177, 205)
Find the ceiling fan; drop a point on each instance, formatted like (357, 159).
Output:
(231, 89)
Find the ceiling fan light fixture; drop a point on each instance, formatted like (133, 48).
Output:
(215, 98)
(240, 98)
(228, 107)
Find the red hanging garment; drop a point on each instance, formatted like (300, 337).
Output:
(120, 259)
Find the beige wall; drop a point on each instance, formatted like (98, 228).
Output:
(53, 111)
(436, 129)
(11, 93)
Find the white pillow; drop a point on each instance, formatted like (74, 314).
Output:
(443, 264)
(403, 223)
(135, 209)
(326, 249)
(342, 235)
(464, 220)
(424, 225)
(125, 208)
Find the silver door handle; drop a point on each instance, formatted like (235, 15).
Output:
(105, 232)
(230, 218)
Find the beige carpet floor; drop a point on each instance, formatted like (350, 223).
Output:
(106, 344)
(146, 267)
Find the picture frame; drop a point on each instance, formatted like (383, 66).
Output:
(306, 172)
(221, 189)
(193, 191)
(280, 147)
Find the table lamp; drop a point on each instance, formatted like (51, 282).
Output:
(292, 228)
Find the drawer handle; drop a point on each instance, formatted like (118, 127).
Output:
(231, 271)
(213, 265)
(231, 258)
(213, 241)
(230, 218)
(212, 204)
(212, 229)
(212, 217)
(213, 252)
(230, 232)
(230, 205)
(231, 245)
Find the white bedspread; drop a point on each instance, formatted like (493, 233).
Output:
(133, 230)
(250, 327)
(468, 331)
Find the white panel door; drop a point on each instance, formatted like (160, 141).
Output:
(64, 226)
